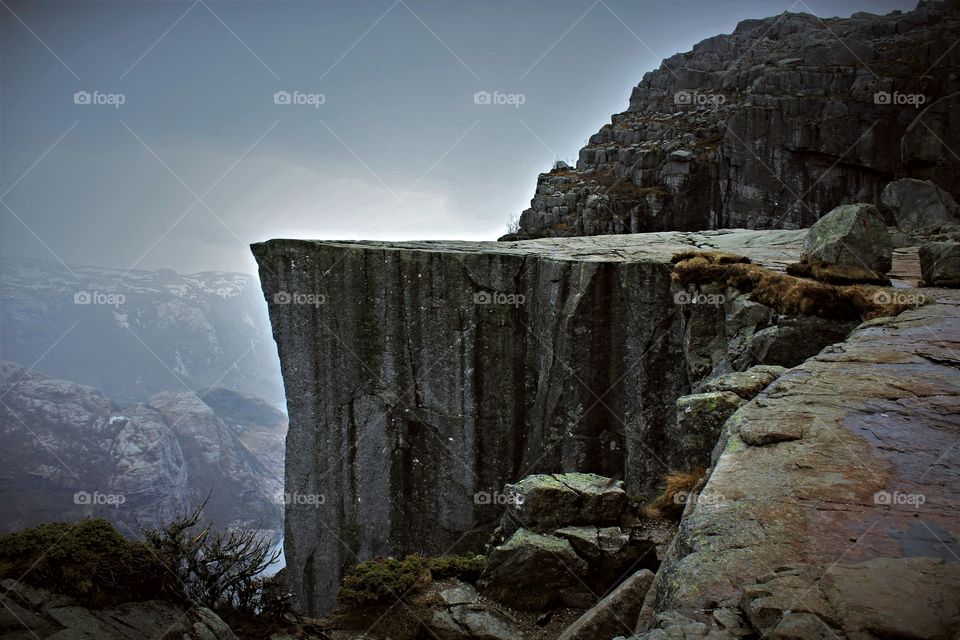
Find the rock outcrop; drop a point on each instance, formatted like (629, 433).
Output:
(423, 376)
(769, 127)
(28, 612)
(833, 496)
(920, 206)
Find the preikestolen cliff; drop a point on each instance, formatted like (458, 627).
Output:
(705, 386)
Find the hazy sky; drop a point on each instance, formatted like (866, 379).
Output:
(198, 160)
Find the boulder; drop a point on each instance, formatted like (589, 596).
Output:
(700, 417)
(746, 384)
(614, 615)
(545, 502)
(794, 339)
(940, 264)
(466, 617)
(609, 551)
(851, 242)
(536, 571)
(920, 206)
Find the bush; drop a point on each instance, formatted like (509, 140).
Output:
(216, 569)
(182, 560)
(376, 581)
(88, 559)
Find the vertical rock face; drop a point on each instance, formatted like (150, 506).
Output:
(769, 127)
(422, 377)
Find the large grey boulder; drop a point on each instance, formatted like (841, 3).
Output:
(543, 502)
(616, 614)
(536, 571)
(920, 205)
(852, 237)
(940, 264)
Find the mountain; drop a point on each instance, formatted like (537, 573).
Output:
(769, 127)
(69, 451)
(134, 334)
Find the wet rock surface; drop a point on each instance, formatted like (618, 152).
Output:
(830, 488)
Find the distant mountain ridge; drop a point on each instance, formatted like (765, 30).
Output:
(134, 334)
(69, 452)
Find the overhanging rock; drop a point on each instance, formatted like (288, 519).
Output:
(423, 376)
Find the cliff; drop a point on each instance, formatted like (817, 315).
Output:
(423, 376)
(769, 127)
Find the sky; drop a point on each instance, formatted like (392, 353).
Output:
(172, 134)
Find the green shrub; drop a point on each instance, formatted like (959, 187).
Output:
(377, 581)
(466, 567)
(89, 559)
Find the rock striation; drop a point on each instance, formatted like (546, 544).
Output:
(422, 377)
(770, 127)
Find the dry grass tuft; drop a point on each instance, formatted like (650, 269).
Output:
(786, 294)
(834, 274)
(678, 485)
